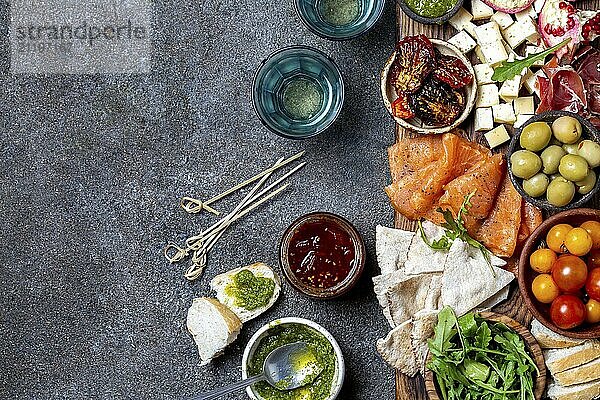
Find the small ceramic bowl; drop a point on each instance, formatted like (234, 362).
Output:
(340, 368)
(355, 272)
(298, 92)
(589, 132)
(429, 20)
(541, 311)
(532, 346)
(415, 124)
(355, 18)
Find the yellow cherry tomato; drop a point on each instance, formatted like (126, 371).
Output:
(544, 288)
(542, 260)
(593, 229)
(593, 311)
(578, 242)
(555, 239)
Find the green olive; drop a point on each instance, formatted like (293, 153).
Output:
(590, 151)
(567, 129)
(551, 158)
(571, 148)
(554, 176)
(573, 168)
(525, 164)
(536, 185)
(585, 186)
(560, 192)
(555, 141)
(535, 136)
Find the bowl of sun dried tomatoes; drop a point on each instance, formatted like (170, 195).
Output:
(428, 85)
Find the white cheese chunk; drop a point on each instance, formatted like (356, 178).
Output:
(530, 79)
(483, 73)
(487, 96)
(479, 54)
(538, 5)
(497, 136)
(469, 27)
(530, 50)
(528, 12)
(522, 119)
(488, 33)
(524, 105)
(463, 41)
(504, 113)
(484, 119)
(520, 31)
(460, 19)
(481, 10)
(503, 20)
(510, 89)
(494, 53)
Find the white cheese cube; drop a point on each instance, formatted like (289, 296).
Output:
(479, 54)
(488, 33)
(530, 79)
(530, 29)
(524, 105)
(503, 20)
(460, 19)
(504, 113)
(484, 119)
(538, 5)
(497, 136)
(487, 96)
(510, 89)
(528, 12)
(521, 31)
(483, 73)
(494, 53)
(522, 119)
(480, 10)
(530, 50)
(463, 41)
(469, 27)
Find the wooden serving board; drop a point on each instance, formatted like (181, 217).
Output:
(414, 388)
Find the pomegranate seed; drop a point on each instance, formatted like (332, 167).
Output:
(547, 29)
(570, 9)
(596, 18)
(570, 23)
(587, 28)
(586, 35)
(560, 32)
(562, 5)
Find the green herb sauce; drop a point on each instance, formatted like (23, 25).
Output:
(250, 291)
(291, 333)
(430, 9)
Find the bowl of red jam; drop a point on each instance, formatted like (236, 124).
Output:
(322, 255)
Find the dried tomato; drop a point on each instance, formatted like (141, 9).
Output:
(453, 71)
(414, 61)
(437, 104)
(401, 107)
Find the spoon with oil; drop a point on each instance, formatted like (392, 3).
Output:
(287, 367)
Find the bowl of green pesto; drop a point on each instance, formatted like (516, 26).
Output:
(430, 12)
(290, 330)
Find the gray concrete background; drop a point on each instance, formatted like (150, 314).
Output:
(91, 172)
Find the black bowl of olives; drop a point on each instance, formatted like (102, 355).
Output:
(553, 160)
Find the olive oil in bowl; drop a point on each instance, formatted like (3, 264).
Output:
(302, 98)
(339, 12)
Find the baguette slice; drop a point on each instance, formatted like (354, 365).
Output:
(213, 326)
(220, 282)
(584, 391)
(559, 360)
(582, 374)
(548, 339)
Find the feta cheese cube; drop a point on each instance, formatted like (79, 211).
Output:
(520, 31)
(481, 10)
(530, 79)
(497, 136)
(483, 73)
(469, 27)
(484, 120)
(504, 113)
(487, 96)
(494, 53)
(463, 41)
(528, 12)
(503, 20)
(530, 50)
(524, 105)
(522, 119)
(538, 5)
(510, 89)
(488, 33)
(479, 54)
(460, 19)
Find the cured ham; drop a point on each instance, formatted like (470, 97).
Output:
(561, 89)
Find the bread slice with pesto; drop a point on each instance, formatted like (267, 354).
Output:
(248, 291)
(213, 326)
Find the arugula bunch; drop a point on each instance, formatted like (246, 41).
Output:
(476, 360)
(455, 229)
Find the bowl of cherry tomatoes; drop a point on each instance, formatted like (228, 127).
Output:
(559, 273)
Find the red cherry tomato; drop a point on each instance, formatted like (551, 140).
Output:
(567, 311)
(593, 259)
(570, 273)
(592, 285)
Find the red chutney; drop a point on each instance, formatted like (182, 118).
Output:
(321, 254)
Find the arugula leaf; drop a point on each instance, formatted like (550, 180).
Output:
(483, 336)
(509, 70)
(444, 331)
(467, 324)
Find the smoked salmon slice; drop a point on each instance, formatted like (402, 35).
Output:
(531, 218)
(410, 155)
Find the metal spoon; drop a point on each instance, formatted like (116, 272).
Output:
(287, 367)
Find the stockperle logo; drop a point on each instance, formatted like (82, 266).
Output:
(80, 37)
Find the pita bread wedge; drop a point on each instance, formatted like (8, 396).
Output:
(396, 349)
(381, 285)
(467, 279)
(422, 258)
(424, 323)
(392, 248)
(408, 297)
